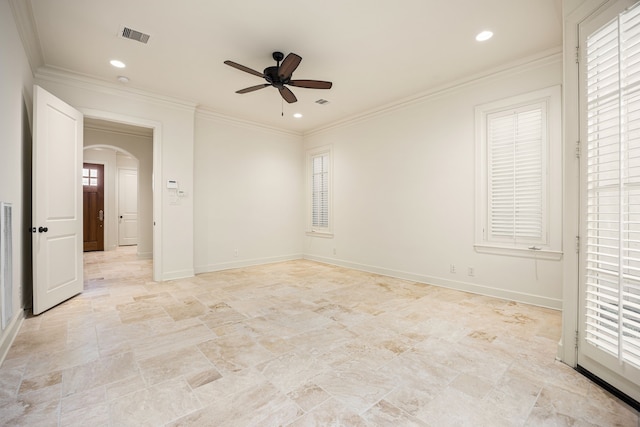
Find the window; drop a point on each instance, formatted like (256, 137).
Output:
(612, 196)
(320, 192)
(90, 177)
(519, 161)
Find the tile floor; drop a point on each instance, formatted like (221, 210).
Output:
(294, 343)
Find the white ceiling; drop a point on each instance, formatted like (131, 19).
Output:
(376, 52)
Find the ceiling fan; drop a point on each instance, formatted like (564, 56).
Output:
(280, 75)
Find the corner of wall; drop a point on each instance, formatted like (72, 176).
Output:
(10, 335)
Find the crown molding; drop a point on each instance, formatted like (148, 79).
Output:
(118, 128)
(210, 114)
(28, 32)
(539, 60)
(68, 78)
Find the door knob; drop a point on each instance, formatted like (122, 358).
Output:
(42, 229)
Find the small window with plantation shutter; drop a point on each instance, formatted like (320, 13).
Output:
(320, 191)
(515, 205)
(319, 184)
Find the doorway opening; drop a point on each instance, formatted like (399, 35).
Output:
(128, 155)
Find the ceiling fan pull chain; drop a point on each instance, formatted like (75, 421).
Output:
(282, 106)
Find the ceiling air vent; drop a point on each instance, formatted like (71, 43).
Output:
(322, 101)
(129, 33)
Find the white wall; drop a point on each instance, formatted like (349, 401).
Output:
(404, 188)
(142, 149)
(248, 194)
(16, 87)
(175, 133)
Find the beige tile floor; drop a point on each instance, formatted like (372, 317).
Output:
(295, 343)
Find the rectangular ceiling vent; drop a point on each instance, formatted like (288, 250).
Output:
(322, 101)
(131, 34)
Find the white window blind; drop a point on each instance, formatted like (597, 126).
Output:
(519, 175)
(612, 282)
(516, 175)
(320, 191)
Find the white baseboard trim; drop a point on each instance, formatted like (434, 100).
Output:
(245, 263)
(145, 255)
(10, 334)
(447, 283)
(178, 274)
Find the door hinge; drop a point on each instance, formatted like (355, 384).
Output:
(577, 244)
(577, 149)
(577, 339)
(577, 54)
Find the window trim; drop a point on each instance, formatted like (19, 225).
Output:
(324, 232)
(552, 222)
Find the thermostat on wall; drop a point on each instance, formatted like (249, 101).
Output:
(172, 184)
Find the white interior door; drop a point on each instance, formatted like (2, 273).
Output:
(57, 201)
(128, 207)
(609, 322)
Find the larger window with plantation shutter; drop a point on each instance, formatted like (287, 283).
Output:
(518, 159)
(612, 259)
(517, 142)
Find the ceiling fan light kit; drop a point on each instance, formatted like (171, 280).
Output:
(280, 75)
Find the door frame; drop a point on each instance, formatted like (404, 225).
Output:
(156, 188)
(567, 347)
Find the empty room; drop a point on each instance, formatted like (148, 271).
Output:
(356, 213)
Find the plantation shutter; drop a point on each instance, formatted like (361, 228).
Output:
(516, 141)
(320, 191)
(612, 282)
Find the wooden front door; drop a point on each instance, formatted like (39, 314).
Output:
(93, 206)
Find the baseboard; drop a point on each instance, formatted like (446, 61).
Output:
(178, 274)
(145, 255)
(245, 263)
(474, 288)
(10, 334)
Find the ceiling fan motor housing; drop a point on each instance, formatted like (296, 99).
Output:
(272, 77)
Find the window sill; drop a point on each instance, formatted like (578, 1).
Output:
(519, 252)
(323, 234)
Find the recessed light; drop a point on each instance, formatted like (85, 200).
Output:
(117, 64)
(297, 115)
(484, 36)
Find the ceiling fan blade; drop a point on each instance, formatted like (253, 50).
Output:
(311, 84)
(243, 68)
(289, 65)
(252, 88)
(287, 95)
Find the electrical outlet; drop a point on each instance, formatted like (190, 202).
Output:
(452, 268)
(471, 271)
